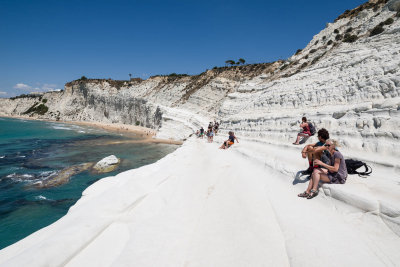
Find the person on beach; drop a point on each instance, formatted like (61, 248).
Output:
(231, 140)
(314, 151)
(306, 132)
(336, 173)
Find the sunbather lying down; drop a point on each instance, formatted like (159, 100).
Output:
(231, 140)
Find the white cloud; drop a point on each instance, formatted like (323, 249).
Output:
(3, 93)
(49, 86)
(39, 87)
(22, 86)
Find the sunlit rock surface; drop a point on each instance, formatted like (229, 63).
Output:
(201, 206)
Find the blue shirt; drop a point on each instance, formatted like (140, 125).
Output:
(319, 143)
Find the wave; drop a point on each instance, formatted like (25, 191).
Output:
(30, 178)
(57, 127)
(41, 197)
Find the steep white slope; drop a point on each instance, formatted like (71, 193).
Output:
(201, 206)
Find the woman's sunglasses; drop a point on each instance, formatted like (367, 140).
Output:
(327, 145)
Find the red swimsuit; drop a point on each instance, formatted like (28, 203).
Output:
(306, 130)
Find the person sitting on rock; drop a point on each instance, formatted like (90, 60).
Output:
(336, 173)
(314, 151)
(305, 131)
(231, 140)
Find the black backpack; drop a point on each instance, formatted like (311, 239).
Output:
(312, 128)
(352, 166)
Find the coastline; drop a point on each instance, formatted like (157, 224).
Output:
(147, 135)
(238, 203)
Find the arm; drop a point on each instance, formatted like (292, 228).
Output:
(330, 168)
(307, 148)
(319, 149)
(237, 139)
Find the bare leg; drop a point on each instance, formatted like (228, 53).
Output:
(319, 174)
(310, 185)
(317, 155)
(299, 135)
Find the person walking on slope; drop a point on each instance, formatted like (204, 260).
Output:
(314, 151)
(201, 132)
(210, 135)
(306, 132)
(231, 140)
(335, 173)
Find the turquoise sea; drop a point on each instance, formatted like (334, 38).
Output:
(34, 151)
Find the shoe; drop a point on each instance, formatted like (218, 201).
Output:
(308, 171)
(304, 194)
(313, 194)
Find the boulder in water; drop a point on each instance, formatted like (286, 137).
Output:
(107, 164)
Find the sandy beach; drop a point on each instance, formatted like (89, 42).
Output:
(146, 135)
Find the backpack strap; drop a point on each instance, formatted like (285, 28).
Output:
(367, 172)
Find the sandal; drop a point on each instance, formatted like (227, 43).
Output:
(304, 194)
(312, 194)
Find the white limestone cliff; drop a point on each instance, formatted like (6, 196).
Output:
(350, 88)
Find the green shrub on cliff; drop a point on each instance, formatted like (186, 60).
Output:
(377, 30)
(350, 38)
(389, 21)
(37, 109)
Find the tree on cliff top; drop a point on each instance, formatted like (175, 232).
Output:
(230, 62)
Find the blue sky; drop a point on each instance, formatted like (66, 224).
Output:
(44, 44)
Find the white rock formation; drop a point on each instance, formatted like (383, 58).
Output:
(107, 164)
(203, 207)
